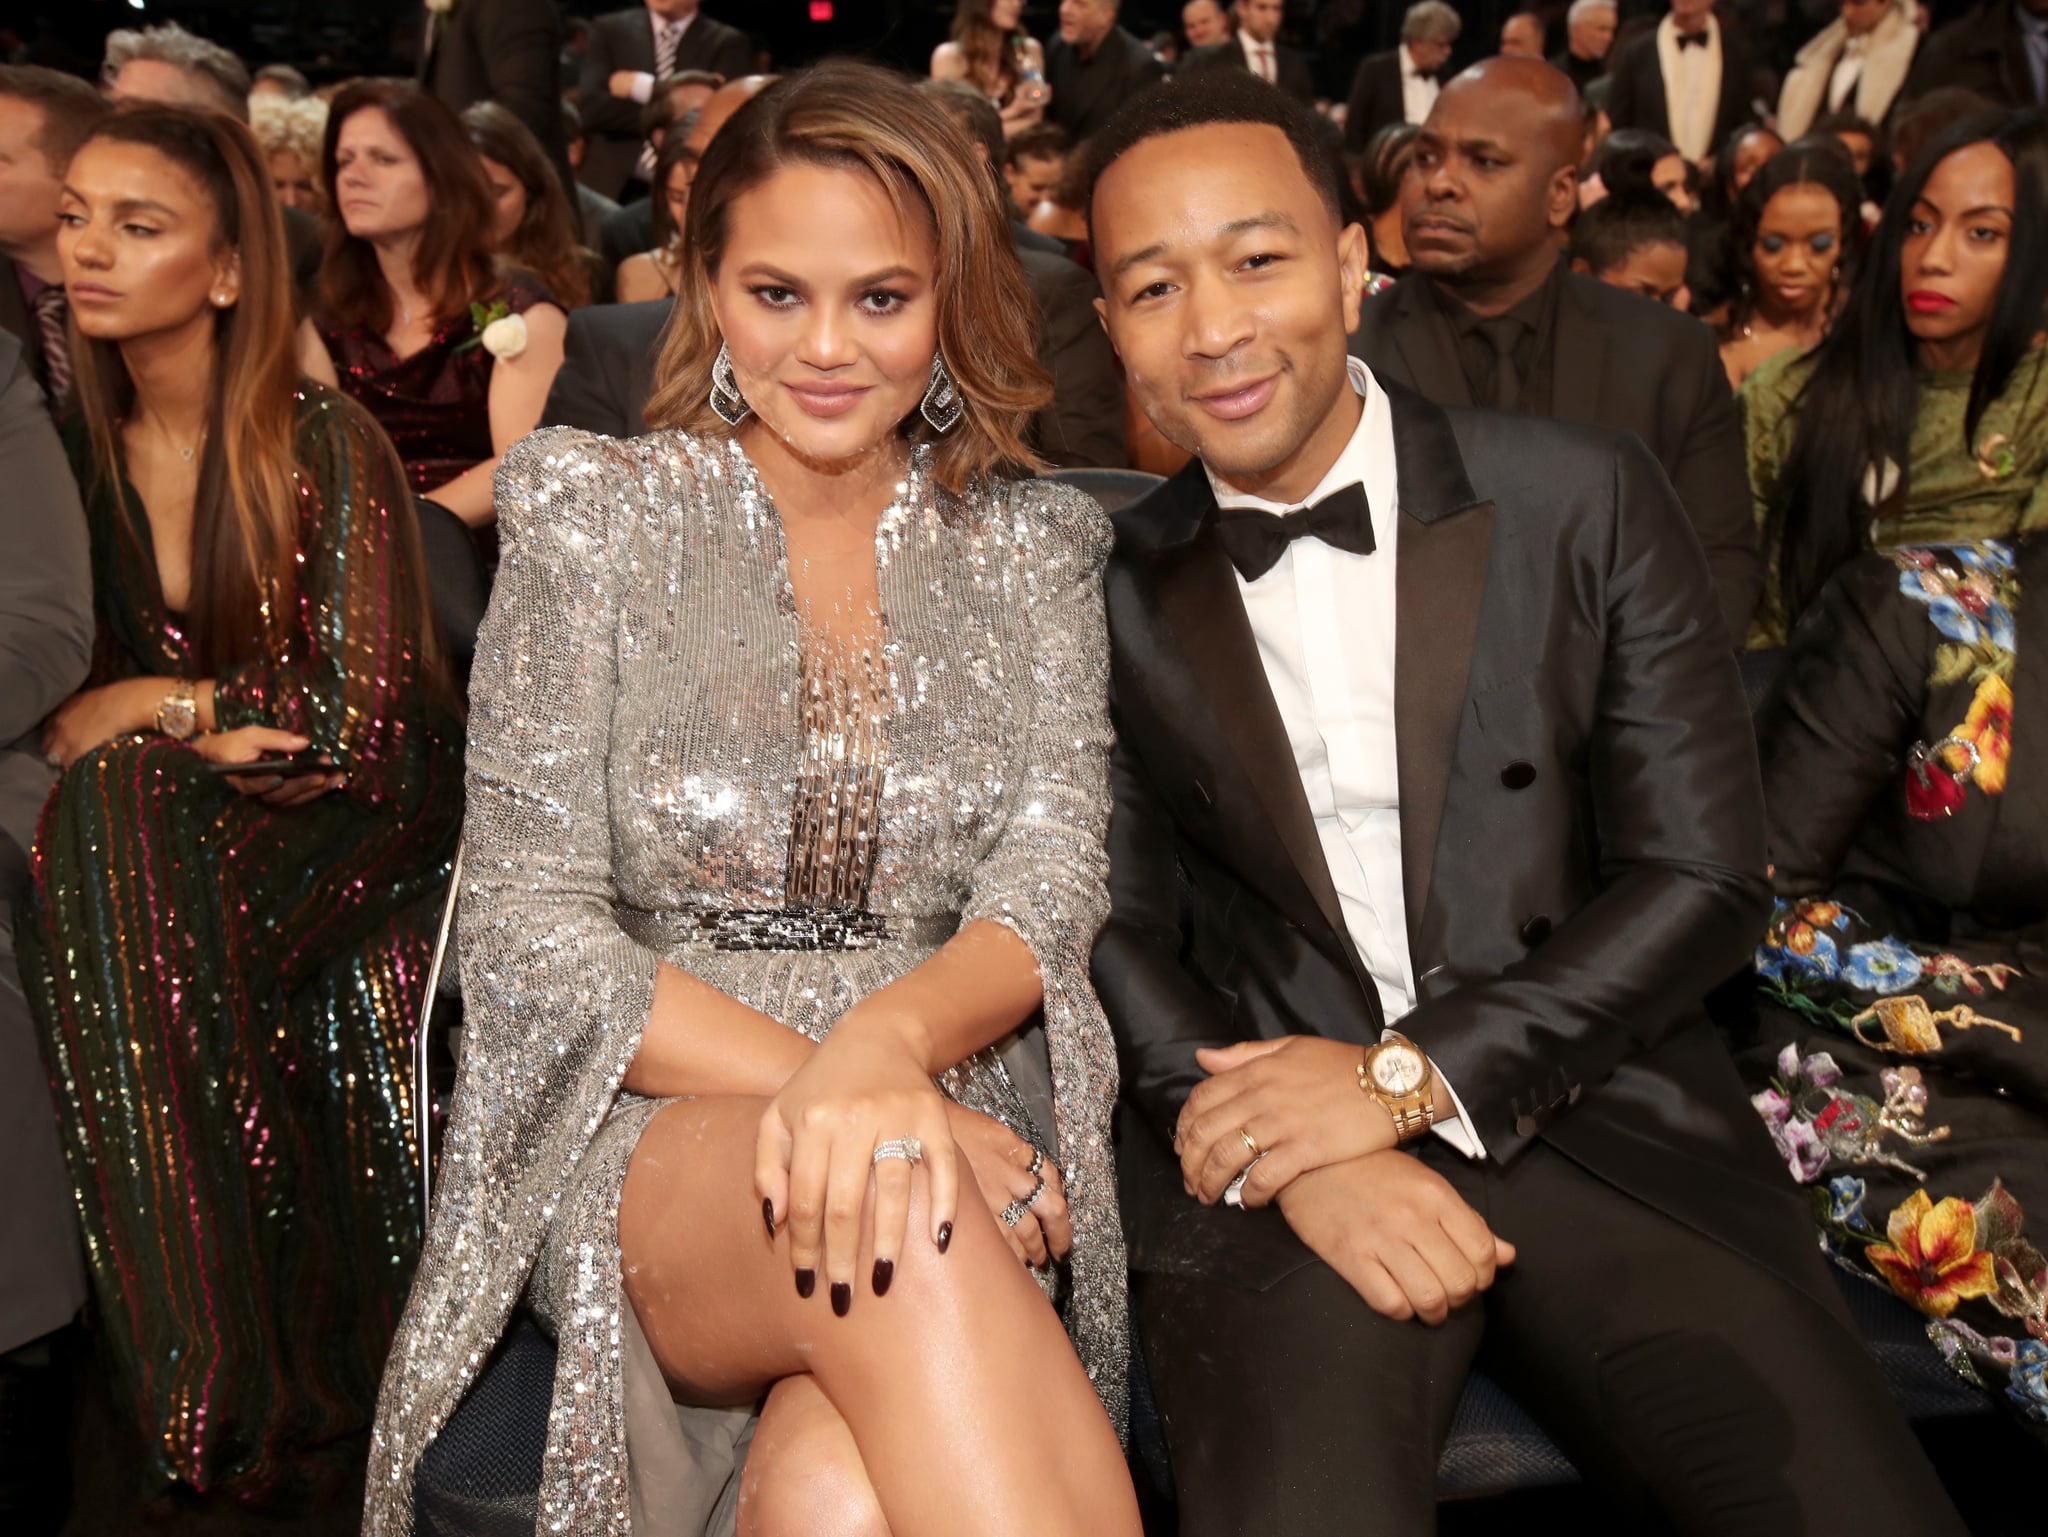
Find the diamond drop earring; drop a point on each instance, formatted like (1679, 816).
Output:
(726, 399)
(942, 405)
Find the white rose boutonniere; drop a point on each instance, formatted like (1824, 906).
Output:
(505, 337)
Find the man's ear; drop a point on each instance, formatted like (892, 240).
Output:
(1581, 266)
(1564, 196)
(1354, 265)
(1102, 316)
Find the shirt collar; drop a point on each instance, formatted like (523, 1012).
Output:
(1362, 461)
(1408, 69)
(1529, 310)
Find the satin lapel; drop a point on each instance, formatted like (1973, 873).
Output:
(1578, 357)
(2015, 861)
(1427, 346)
(1197, 592)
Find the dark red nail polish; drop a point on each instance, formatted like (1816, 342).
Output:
(885, 1272)
(945, 1236)
(806, 1283)
(768, 1215)
(842, 1297)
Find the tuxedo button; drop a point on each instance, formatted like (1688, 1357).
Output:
(1525, 1125)
(1518, 775)
(1536, 930)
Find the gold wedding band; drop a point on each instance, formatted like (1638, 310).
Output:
(1250, 1144)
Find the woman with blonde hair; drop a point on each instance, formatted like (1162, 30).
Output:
(788, 790)
(223, 955)
(289, 130)
(992, 52)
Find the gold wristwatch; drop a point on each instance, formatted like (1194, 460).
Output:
(1398, 1076)
(178, 715)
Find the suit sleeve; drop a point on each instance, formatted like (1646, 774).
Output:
(524, 63)
(1360, 109)
(1083, 425)
(1711, 476)
(1625, 98)
(614, 116)
(46, 618)
(581, 395)
(1677, 818)
(734, 56)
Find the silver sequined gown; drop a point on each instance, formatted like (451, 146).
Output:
(646, 738)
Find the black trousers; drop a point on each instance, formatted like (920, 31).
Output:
(1697, 1391)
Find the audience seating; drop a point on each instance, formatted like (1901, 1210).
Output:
(456, 581)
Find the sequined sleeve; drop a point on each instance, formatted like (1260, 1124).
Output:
(348, 691)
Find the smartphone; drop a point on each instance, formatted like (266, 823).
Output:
(283, 768)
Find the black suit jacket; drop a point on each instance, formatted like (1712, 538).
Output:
(607, 370)
(625, 40)
(1581, 835)
(1375, 98)
(507, 51)
(1637, 99)
(1620, 361)
(1289, 64)
(1085, 96)
(1982, 51)
(15, 318)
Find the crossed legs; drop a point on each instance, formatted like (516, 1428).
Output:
(952, 1404)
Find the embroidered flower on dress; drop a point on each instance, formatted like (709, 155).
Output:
(1845, 1200)
(1881, 966)
(1995, 457)
(1960, 584)
(2028, 1385)
(1933, 1260)
(1988, 727)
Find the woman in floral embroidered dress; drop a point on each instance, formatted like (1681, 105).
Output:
(409, 291)
(1902, 1059)
(1923, 417)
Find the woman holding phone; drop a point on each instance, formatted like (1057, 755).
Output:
(223, 966)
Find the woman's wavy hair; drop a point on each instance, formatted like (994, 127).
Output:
(1859, 406)
(860, 119)
(245, 516)
(987, 48)
(455, 264)
(1815, 161)
(545, 244)
(676, 149)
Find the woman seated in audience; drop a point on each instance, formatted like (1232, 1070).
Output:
(992, 52)
(1745, 152)
(289, 131)
(755, 1110)
(536, 226)
(1924, 416)
(224, 966)
(1385, 162)
(654, 274)
(1901, 1052)
(452, 351)
(1635, 160)
(1063, 213)
(1792, 253)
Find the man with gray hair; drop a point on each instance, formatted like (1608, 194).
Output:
(1400, 86)
(170, 65)
(1589, 35)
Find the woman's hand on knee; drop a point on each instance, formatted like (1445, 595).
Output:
(1000, 1161)
(815, 1166)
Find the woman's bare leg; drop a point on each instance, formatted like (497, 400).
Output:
(966, 1402)
(804, 1476)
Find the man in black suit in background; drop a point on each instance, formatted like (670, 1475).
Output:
(1400, 86)
(1693, 80)
(1998, 48)
(1094, 66)
(507, 51)
(1490, 316)
(44, 117)
(1457, 744)
(1589, 37)
(1256, 49)
(629, 50)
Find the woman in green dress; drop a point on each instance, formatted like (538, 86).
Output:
(224, 967)
(1923, 418)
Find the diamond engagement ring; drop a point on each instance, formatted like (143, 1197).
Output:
(909, 1149)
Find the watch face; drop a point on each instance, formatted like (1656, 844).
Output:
(1397, 1070)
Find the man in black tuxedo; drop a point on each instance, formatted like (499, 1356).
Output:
(607, 372)
(1491, 317)
(507, 51)
(1256, 49)
(1693, 80)
(1400, 86)
(1457, 745)
(1589, 37)
(1094, 66)
(1998, 48)
(629, 50)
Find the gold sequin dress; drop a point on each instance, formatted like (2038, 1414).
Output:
(657, 773)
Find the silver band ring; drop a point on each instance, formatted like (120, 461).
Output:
(909, 1149)
(1037, 1161)
(1014, 1212)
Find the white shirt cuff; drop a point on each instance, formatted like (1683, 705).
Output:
(643, 87)
(1458, 1130)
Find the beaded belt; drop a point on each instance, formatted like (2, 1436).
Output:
(785, 929)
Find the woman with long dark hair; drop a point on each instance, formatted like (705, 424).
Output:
(1792, 251)
(224, 965)
(992, 52)
(451, 350)
(1924, 416)
(654, 274)
(536, 227)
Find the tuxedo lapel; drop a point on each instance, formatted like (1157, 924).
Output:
(1578, 357)
(2015, 853)
(1445, 535)
(1427, 345)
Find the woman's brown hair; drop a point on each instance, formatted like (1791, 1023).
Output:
(863, 120)
(245, 516)
(990, 52)
(454, 265)
(545, 243)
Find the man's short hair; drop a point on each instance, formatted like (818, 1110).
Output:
(71, 108)
(295, 84)
(1041, 141)
(222, 74)
(1615, 228)
(974, 112)
(660, 115)
(1431, 21)
(1581, 9)
(1237, 97)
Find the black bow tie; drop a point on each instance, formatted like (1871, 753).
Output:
(1427, 74)
(1692, 39)
(1255, 539)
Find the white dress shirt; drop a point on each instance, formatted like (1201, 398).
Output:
(664, 29)
(1417, 94)
(1848, 70)
(1324, 622)
(1692, 87)
(1260, 58)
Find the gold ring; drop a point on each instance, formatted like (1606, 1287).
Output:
(1251, 1145)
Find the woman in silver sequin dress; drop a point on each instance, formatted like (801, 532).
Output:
(788, 788)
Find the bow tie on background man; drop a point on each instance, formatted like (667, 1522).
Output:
(1692, 39)
(1255, 539)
